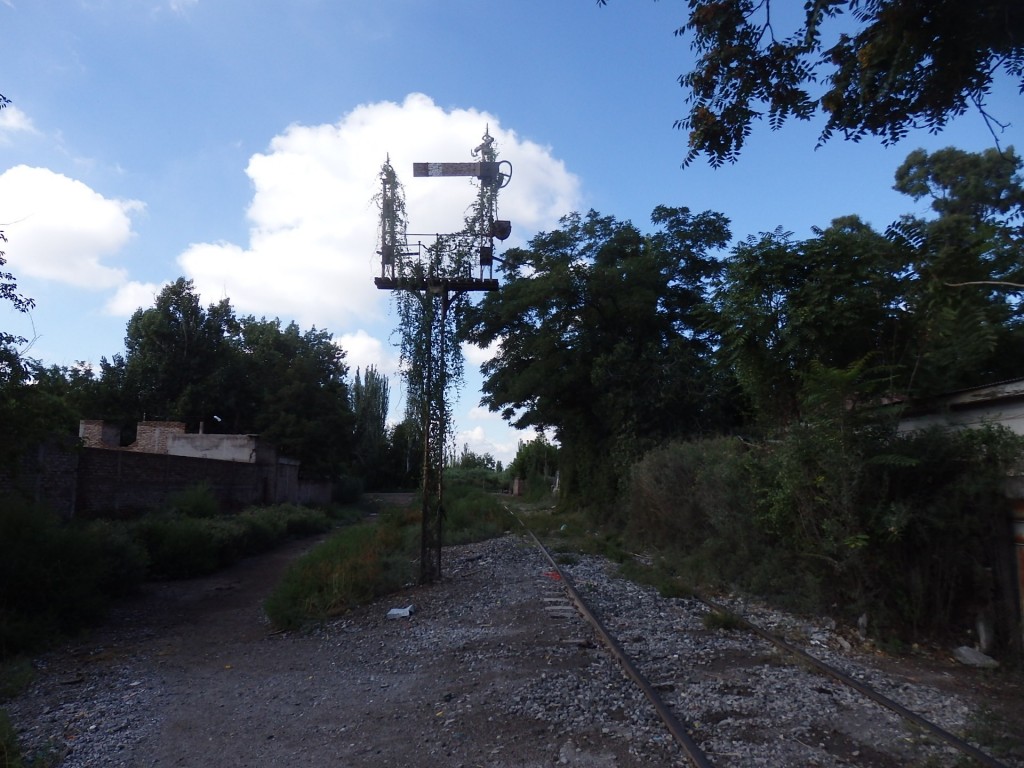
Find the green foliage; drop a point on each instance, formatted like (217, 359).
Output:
(56, 577)
(479, 477)
(16, 673)
(182, 547)
(696, 500)
(11, 755)
(370, 397)
(354, 566)
(205, 366)
(10, 751)
(783, 307)
(537, 460)
(175, 354)
(723, 620)
(29, 414)
(839, 515)
(196, 501)
(588, 316)
(472, 514)
(467, 459)
(904, 64)
(964, 279)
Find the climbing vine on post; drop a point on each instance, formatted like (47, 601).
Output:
(430, 284)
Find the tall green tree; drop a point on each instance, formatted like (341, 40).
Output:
(966, 272)
(175, 354)
(934, 305)
(873, 67)
(370, 402)
(598, 336)
(788, 309)
(209, 368)
(28, 414)
(295, 394)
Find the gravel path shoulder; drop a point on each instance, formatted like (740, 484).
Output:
(490, 670)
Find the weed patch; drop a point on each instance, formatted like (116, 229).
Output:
(723, 620)
(353, 567)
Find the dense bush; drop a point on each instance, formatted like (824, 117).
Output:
(181, 547)
(697, 500)
(910, 529)
(473, 515)
(197, 501)
(55, 577)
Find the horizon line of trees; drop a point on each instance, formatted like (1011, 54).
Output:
(615, 340)
(620, 341)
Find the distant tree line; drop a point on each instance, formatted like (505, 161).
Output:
(614, 340)
(211, 369)
(619, 341)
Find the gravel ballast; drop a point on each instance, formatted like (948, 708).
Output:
(492, 668)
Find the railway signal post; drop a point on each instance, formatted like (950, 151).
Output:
(437, 275)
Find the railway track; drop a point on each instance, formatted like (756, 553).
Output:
(718, 704)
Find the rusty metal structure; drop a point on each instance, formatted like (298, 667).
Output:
(437, 273)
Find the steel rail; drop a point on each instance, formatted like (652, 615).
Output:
(879, 698)
(693, 752)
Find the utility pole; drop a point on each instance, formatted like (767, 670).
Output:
(437, 275)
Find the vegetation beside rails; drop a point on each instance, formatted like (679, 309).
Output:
(58, 577)
(363, 562)
(908, 530)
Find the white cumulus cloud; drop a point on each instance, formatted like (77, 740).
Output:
(310, 254)
(62, 230)
(13, 120)
(131, 296)
(363, 350)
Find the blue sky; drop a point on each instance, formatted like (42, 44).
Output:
(237, 144)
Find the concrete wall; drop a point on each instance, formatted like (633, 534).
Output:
(219, 447)
(996, 404)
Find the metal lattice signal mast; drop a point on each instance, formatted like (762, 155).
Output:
(438, 275)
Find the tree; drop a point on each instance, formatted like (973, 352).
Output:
(9, 292)
(933, 306)
(966, 267)
(787, 310)
(536, 458)
(295, 394)
(370, 401)
(468, 459)
(598, 337)
(241, 375)
(176, 353)
(887, 67)
(29, 414)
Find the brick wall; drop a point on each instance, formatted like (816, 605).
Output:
(92, 482)
(151, 436)
(45, 475)
(126, 483)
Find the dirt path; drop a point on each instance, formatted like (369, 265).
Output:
(191, 674)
